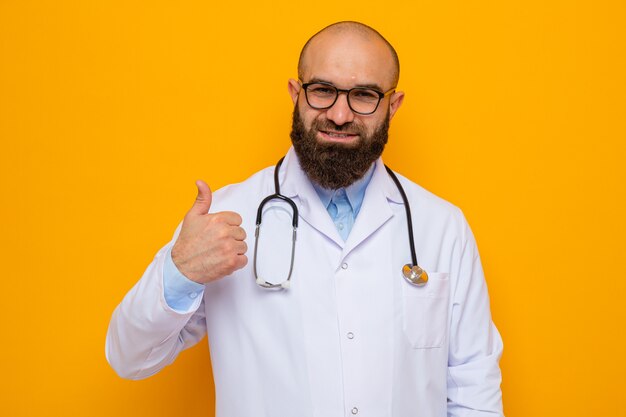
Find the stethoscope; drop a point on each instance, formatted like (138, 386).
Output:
(412, 272)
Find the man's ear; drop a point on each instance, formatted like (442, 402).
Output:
(294, 89)
(394, 104)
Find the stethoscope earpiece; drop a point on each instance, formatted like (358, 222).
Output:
(415, 275)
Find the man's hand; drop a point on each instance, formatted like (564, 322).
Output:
(209, 246)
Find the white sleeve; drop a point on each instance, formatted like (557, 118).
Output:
(145, 334)
(475, 345)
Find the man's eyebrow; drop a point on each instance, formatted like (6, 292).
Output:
(373, 86)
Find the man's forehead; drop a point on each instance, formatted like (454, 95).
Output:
(350, 58)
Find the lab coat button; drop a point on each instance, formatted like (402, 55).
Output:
(344, 266)
(355, 410)
(350, 335)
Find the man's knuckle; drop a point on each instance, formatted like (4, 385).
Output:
(220, 232)
(233, 263)
(216, 218)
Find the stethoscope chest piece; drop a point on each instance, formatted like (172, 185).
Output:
(415, 275)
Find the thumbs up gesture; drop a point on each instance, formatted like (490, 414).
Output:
(209, 246)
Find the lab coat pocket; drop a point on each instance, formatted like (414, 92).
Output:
(425, 311)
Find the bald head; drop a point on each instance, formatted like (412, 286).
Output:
(351, 30)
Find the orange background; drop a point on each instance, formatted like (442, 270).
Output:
(515, 111)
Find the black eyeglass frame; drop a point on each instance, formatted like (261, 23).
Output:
(381, 95)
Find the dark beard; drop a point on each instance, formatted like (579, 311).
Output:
(335, 165)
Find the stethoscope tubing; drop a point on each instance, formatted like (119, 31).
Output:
(412, 272)
(407, 207)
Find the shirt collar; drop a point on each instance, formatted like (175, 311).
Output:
(355, 191)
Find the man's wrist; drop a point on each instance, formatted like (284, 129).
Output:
(180, 292)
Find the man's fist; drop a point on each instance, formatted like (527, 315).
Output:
(209, 246)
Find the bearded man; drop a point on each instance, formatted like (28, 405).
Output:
(331, 323)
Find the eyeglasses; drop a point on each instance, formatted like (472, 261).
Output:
(361, 100)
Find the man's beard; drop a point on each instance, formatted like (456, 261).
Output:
(336, 165)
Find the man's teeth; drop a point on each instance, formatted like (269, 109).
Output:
(337, 135)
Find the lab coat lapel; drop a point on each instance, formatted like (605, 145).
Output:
(375, 210)
(295, 184)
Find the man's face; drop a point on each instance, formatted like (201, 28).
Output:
(336, 146)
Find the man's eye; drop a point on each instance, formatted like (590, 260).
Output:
(322, 90)
(364, 95)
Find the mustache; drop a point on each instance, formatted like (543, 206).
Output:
(328, 125)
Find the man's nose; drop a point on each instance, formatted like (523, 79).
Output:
(340, 112)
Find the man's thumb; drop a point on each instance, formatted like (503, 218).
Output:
(203, 200)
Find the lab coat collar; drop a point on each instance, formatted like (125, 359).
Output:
(296, 185)
(291, 177)
(387, 186)
(375, 210)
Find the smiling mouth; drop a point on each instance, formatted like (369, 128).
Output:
(337, 135)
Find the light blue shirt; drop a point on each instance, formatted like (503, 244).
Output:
(180, 292)
(343, 205)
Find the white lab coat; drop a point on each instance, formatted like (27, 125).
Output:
(351, 336)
